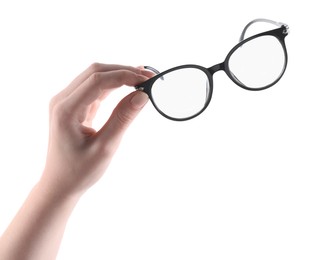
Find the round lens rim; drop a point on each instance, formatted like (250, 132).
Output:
(279, 34)
(151, 82)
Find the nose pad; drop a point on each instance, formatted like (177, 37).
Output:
(207, 90)
(234, 76)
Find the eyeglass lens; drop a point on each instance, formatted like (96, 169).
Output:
(258, 63)
(181, 93)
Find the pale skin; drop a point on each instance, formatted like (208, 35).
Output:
(77, 157)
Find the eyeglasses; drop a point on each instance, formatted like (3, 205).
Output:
(256, 63)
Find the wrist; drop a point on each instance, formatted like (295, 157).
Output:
(56, 192)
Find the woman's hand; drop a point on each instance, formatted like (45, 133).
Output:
(77, 157)
(77, 154)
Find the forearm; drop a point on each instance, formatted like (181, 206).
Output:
(37, 230)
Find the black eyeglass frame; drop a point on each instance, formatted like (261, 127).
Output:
(279, 33)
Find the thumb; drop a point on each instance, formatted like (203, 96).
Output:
(122, 116)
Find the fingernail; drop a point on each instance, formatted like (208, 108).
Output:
(139, 99)
(141, 67)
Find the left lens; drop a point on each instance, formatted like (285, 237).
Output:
(258, 63)
(181, 93)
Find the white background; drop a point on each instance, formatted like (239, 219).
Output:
(234, 183)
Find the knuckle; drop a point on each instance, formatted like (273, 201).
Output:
(59, 113)
(95, 67)
(123, 76)
(53, 102)
(95, 78)
(124, 118)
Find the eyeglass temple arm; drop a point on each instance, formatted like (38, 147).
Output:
(279, 24)
(153, 70)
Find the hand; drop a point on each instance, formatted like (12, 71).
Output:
(77, 154)
(77, 157)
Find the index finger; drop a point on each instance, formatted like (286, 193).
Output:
(95, 86)
(92, 69)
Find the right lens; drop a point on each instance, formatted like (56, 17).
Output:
(181, 93)
(258, 63)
